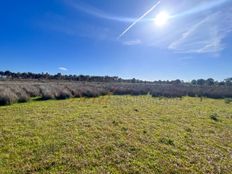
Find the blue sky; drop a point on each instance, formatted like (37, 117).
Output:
(82, 37)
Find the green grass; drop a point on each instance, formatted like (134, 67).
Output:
(117, 134)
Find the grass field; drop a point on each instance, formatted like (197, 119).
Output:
(117, 134)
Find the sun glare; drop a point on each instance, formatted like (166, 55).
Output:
(161, 19)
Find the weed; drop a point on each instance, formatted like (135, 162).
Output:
(214, 117)
(167, 141)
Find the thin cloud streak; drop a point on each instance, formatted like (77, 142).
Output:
(202, 7)
(139, 19)
(132, 42)
(97, 13)
(186, 34)
(206, 36)
(63, 69)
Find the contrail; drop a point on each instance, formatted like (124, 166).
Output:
(137, 20)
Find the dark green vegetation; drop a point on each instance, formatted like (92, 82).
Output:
(6, 75)
(117, 134)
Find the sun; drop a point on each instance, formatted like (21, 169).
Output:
(162, 18)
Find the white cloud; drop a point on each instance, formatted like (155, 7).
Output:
(186, 34)
(90, 10)
(132, 42)
(63, 69)
(205, 36)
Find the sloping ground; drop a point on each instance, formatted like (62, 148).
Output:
(117, 134)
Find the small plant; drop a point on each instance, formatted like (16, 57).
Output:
(214, 117)
(115, 123)
(125, 129)
(228, 100)
(188, 130)
(167, 141)
(136, 110)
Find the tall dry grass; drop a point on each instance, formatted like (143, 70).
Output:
(12, 92)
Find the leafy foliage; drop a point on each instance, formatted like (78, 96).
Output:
(86, 78)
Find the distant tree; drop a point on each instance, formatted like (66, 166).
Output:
(210, 81)
(133, 80)
(8, 73)
(194, 82)
(58, 76)
(200, 82)
(221, 83)
(228, 81)
(176, 82)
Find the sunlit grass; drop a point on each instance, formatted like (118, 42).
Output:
(117, 134)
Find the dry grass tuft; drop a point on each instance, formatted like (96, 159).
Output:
(64, 90)
(7, 96)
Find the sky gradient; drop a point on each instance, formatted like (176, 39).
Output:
(82, 37)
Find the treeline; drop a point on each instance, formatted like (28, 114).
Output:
(59, 76)
(87, 78)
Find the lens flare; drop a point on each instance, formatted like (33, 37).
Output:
(162, 18)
